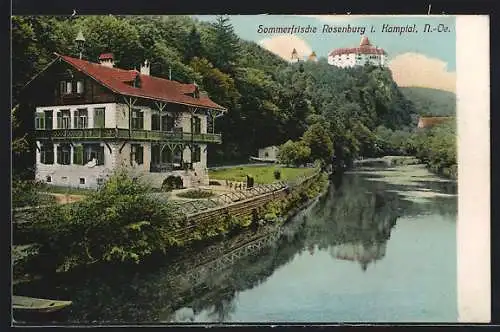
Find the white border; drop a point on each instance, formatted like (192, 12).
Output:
(473, 225)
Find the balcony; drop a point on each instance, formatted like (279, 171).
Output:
(99, 134)
(169, 167)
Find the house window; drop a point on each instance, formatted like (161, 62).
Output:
(48, 179)
(137, 153)
(79, 86)
(196, 154)
(63, 119)
(47, 154)
(63, 154)
(48, 119)
(99, 117)
(66, 87)
(167, 122)
(82, 180)
(87, 152)
(137, 119)
(80, 118)
(196, 125)
(155, 122)
(40, 120)
(155, 154)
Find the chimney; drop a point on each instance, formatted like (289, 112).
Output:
(107, 60)
(145, 68)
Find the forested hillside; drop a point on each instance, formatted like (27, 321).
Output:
(431, 102)
(270, 101)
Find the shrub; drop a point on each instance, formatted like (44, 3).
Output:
(119, 222)
(277, 174)
(26, 193)
(214, 183)
(172, 182)
(196, 193)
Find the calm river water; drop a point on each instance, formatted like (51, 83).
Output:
(379, 246)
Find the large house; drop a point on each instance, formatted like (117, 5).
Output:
(92, 118)
(364, 54)
(430, 121)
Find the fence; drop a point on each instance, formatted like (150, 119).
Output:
(193, 207)
(237, 203)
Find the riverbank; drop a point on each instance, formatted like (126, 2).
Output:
(389, 161)
(70, 236)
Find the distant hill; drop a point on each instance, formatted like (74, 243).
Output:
(431, 102)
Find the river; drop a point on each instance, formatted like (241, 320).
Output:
(378, 246)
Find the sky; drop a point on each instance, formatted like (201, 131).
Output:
(419, 58)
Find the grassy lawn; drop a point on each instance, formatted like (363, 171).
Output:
(261, 174)
(66, 190)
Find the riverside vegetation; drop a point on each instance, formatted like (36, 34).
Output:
(121, 223)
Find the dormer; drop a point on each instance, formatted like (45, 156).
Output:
(136, 81)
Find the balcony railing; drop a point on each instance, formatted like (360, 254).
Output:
(139, 135)
(169, 167)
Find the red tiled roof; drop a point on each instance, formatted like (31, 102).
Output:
(151, 87)
(425, 122)
(365, 47)
(358, 50)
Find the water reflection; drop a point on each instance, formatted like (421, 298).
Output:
(352, 222)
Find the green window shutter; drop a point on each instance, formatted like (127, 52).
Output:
(48, 119)
(75, 120)
(62, 87)
(49, 153)
(197, 125)
(100, 156)
(140, 155)
(59, 155)
(99, 118)
(78, 155)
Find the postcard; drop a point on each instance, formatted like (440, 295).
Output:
(249, 169)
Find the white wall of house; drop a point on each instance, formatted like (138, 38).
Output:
(121, 116)
(270, 152)
(70, 175)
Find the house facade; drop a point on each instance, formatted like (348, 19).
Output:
(362, 55)
(429, 121)
(92, 118)
(269, 153)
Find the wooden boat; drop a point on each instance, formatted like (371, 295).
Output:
(30, 304)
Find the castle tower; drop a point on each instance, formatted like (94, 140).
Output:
(295, 56)
(313, 57)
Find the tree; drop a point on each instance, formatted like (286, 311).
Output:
(319, 141)
(193, 46)
(225, 48)
(294, 153)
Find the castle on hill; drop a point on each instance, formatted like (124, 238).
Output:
(364, 54)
